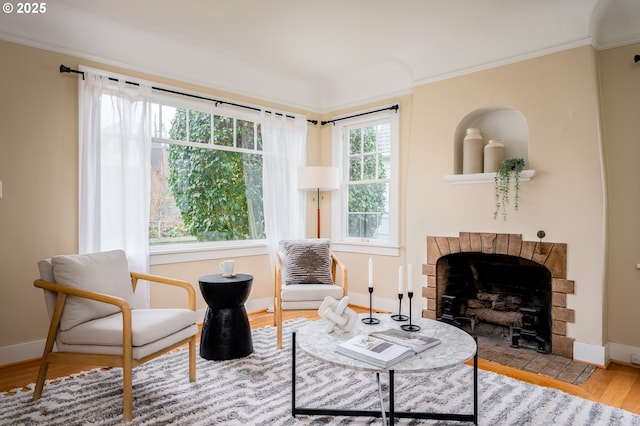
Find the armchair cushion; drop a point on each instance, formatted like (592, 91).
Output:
(106, 272)
(306, 261)
(147, 325)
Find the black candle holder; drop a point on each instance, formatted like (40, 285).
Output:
(399, 316)
(370, 320)
(410, 326)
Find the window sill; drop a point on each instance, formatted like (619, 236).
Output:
(366, 249)
(525, 176)
(199, 252)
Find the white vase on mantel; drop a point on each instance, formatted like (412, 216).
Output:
(472, 151)
(494, 155)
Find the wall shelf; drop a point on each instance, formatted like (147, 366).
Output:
(525, 176)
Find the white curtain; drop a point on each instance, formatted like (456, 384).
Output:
(115, 149)
(284, 149)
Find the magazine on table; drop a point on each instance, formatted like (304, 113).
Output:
(417, 341)
(372, 350)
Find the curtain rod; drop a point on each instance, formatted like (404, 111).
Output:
(66, 69)
(393, 107)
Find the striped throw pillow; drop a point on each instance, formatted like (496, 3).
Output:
(306, 261)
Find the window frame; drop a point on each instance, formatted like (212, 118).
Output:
(339, 198)
(196, 251)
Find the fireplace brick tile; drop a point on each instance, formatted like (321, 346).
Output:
(527, 249)
(557, 261)
(488, 243)
(465, 242)
(433, 251)
(559, 327)
(454, 245)
(428, 314)
(443, 245)
(429, 292)
(541, 255)
(502, 244)
(515, 245)
(476, 241)
(431, 304)
(562, 345)
(562, 285)
(559, 299)
(431, 281)
(428, 269)
(563, 314)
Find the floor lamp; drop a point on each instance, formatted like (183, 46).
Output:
(318, 179)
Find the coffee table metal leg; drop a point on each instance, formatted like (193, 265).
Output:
(391, 398)
(382, 409)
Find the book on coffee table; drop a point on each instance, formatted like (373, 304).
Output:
(417, 341)
(372, 350)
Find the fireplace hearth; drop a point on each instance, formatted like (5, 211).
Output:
(491, 281)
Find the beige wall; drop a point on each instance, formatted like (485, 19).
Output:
(620, 88)
(557, 94)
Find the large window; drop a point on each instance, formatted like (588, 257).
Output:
(206, 177)
(366, 207)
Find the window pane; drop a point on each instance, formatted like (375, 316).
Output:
(370, 171)
(174, 125)
(165, 222)
(355, 169)
(199, 127)
(259, 138)
(368, 210)
(245, 134)
(370, 139)
(223, 131)
(355, 142)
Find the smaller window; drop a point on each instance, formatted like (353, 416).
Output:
(365, 207)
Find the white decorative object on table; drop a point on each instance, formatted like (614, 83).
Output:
(337, 314)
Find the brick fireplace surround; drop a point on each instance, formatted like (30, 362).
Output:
(551, 255)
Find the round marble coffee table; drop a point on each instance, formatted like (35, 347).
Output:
(456, 347)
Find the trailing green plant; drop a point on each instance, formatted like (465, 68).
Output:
(509, 168)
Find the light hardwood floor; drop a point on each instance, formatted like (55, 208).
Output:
(618, 385)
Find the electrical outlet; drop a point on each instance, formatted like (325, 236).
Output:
(635, 359)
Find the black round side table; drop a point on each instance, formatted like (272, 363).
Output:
(226, 333)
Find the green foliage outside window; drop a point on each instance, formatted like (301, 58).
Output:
(367, 202)
(218, 192)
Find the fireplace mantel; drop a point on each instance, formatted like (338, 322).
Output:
(551, 255)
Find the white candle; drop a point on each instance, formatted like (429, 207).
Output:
(409, 280)
(370, 272)
(400, 280)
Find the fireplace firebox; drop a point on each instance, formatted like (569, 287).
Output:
(498, 289)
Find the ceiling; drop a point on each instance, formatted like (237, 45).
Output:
(324, 55)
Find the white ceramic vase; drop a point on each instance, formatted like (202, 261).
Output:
(494, 155)
(472, 152)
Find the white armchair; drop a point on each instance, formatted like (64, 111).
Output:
(305, 273)
(88, 298)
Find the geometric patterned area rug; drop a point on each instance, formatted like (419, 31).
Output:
(256, 390)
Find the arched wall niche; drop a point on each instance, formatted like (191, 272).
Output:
(503, 123)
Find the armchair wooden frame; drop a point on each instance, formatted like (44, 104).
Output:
(277, 294)
(124, 361)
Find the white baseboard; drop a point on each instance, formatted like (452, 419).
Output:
(622, 353)
(591, 354)
(21, 352)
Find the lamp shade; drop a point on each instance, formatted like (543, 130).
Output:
(318, 178)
